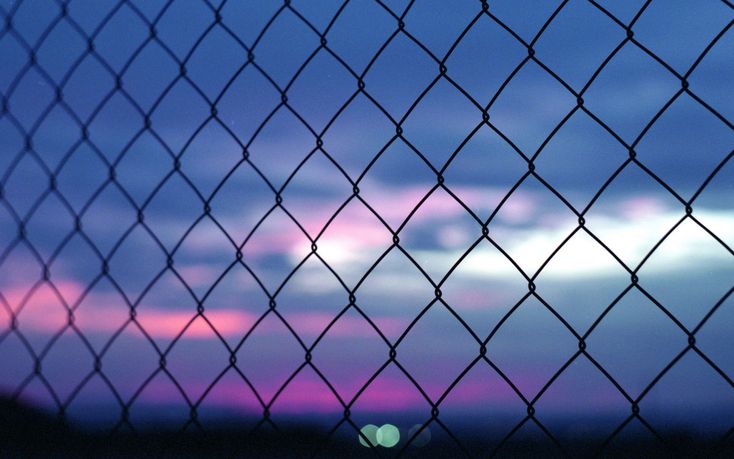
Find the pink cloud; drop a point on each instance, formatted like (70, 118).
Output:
(396, 204)
(355, 226)
(167, 324)
(359, 225)
(305, 394)
(14, 295)
(101, 313)
(308, 394)
(520, 208)
(274, 236)
(44, 308)
(641, 207)
(106, 313)
(356, 229)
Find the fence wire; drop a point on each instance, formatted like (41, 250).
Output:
(9, 108)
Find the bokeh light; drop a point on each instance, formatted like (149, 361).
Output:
(422, 438)
(370, 432)
(388, 435)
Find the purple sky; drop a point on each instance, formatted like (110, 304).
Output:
(687, 274)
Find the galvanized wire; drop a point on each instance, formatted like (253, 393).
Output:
(484, 12)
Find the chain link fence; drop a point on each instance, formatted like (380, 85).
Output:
(125, 85)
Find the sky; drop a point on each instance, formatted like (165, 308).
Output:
(273, 170)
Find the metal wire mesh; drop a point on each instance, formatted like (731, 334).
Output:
(84, 118)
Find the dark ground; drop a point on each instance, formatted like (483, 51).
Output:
(26, 432)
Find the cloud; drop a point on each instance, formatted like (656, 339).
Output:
(390, 392)
(105, 313)
(441, 230)
(631, 227)
(630, 239)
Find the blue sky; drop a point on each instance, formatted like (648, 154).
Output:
(687, 274)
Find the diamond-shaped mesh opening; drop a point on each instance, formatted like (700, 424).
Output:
(505, 227)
